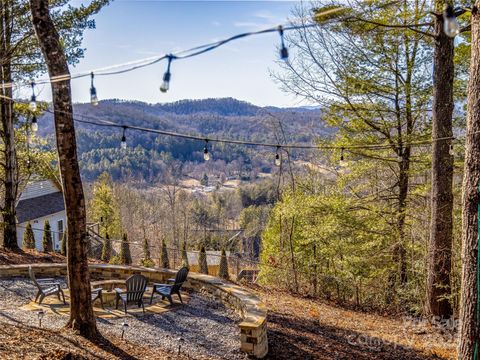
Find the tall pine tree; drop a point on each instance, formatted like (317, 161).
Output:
(125, 255)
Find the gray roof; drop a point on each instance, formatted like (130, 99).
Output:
(40, 206)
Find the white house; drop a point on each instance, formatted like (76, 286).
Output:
(41, 200)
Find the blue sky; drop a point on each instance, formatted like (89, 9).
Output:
(131, 30)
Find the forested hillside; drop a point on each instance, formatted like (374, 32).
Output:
(214, 118)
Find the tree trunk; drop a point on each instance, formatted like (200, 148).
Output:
(468, 328)
(8, 133)
(81, 312)
(400, 252)
(441, 227)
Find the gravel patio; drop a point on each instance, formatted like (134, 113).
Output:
(202, 327)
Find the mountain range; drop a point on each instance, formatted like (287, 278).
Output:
(99, 147)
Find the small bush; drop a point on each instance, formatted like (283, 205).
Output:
(202, 261)
(28, 237)
(147, 263)
(185, 256)
(125, 255)
(47, 237)
(223, 268)
(63, 244)
(107, 249)
(115, 260)
(164, 262)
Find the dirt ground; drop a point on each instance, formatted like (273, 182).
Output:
(32, 257)
(24, 342)
(300, 328)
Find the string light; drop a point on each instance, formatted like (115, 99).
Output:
(451, 151)
(342, 162)
(450, 23)
(206, 154)
(166, 77)
(399, 155)
(379, 146)
(191, 52)
(283, 50)
(93, 92)
(123, 143)
(34, 124)
(278, 160)
(33, 99)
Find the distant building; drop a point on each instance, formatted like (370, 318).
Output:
(41, 200)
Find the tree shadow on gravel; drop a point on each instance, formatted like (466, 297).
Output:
(299, 338)
(109, 347)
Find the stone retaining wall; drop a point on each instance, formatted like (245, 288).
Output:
(253, 328)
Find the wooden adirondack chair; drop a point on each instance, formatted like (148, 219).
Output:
(167, 290)
(136, 286)
(46, 287)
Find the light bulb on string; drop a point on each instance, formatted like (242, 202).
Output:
(34, 124)
(451, 27)
(451, 151)
(93, 92)
(278, 159)
(342, 162)
(33, 99)
(399, 155)
(167, 76)
(283, 49)
(206, 154)
(123, 143)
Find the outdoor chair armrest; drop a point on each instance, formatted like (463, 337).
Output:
(97, 290)
(46, 280)
(157, 285)
(119, 291)
(43, 284)
(171, 280)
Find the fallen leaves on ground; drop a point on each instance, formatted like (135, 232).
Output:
(301, 328)
(31, 343)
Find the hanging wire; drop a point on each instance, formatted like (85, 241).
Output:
(380, 146)
(188, 53)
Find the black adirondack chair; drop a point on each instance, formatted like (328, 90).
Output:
(96, 293)
(136, 286)
(46, 287)
(167, 290)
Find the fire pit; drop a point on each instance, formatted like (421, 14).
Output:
(108, 289)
